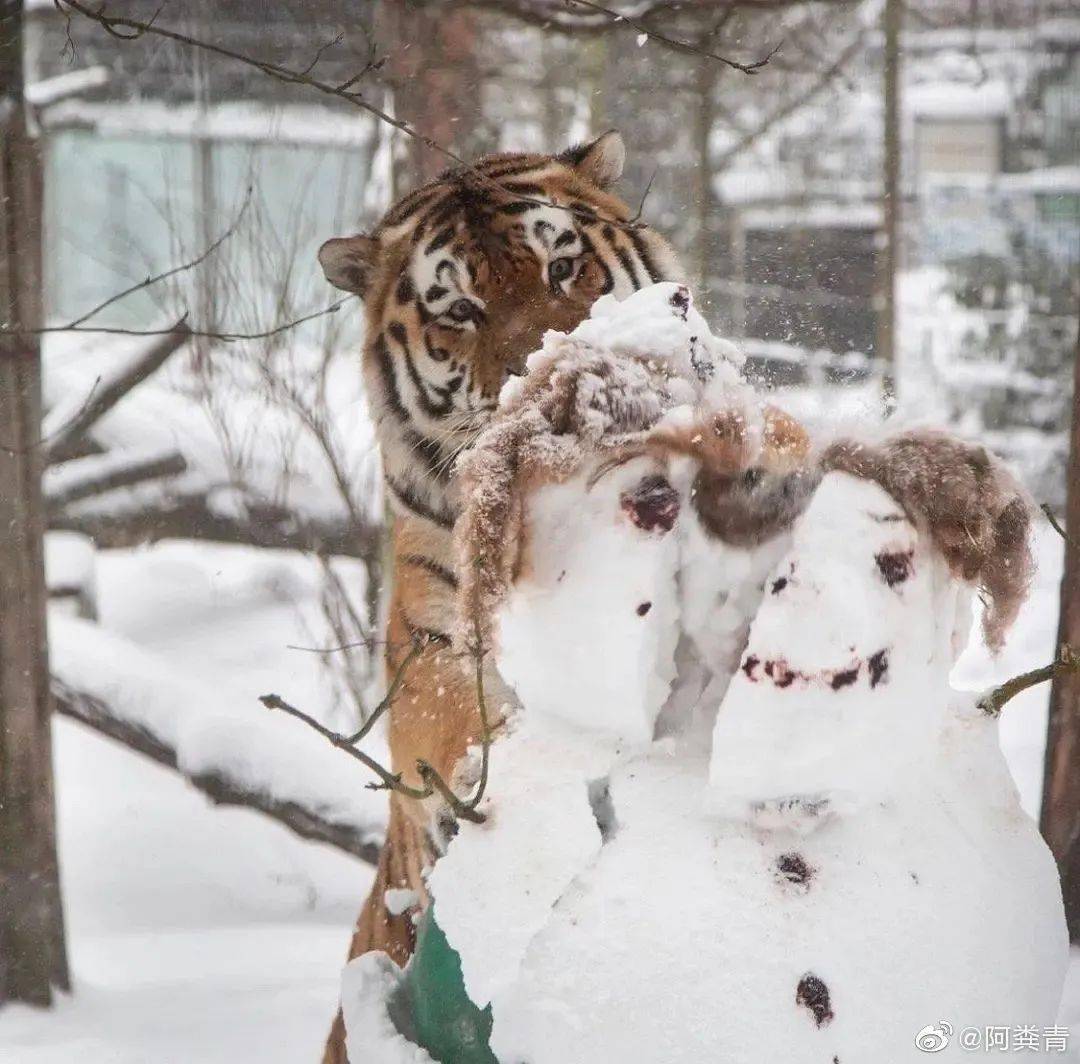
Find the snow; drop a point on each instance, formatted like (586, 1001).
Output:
(195, 932)
(247, 121)
(862, 684)
(608, 569)
(771, 885)
(952, 99)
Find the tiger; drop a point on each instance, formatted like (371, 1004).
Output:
(460, 280)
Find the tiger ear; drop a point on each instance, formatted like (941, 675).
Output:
(600, 161)
(349, 262)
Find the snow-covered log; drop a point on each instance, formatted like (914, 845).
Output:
(235, 755)
(95, 474)
(146, 513)
(68, 422)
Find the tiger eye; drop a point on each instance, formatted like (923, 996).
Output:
(560, 270)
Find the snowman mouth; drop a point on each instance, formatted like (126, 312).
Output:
(781, 673)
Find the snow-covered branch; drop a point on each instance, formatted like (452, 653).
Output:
(69, 422)
(232, 755)
(146, 513)
(96, 474)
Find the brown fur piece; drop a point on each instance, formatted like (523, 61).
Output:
(975, 511)
(580, 404)
(745, 495)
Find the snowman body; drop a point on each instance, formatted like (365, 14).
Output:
(841, 864)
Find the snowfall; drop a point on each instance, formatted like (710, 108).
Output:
(206, 934)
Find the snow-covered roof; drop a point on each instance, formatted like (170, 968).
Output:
(815, 216)
(948, 99)
(248, 121)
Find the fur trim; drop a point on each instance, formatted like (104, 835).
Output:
(974, 509)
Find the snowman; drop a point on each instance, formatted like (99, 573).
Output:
(737, 813)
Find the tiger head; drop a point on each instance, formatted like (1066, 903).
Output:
(462, 277)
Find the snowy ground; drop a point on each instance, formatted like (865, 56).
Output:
(207, 935)
(196, 934)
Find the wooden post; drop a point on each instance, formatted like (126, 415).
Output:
(32, 953)
(1061, 782)
(890, 205)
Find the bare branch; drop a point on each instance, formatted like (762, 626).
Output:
(166, 274)
(679, 46)
(81, 478)
(993, 701)
(308, 823)
(1057, 526)
(433, 782)
(64, 427)
(159, 511)
(209, 334)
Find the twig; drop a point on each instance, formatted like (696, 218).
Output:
(993, 701)
(1057, 526)
(209, 334)
(679, 46)
(165, 274)
(481, 702)
(390, 780)
(129, 29)
(391, 692)
(433, 782)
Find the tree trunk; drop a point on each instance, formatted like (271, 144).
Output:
(1061, 782)
(32, 954)
(432, 68)
(890, 205)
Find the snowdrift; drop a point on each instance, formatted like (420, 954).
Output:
(739, 814)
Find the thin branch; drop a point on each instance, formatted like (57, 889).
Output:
(1057, 526)
(390, 780)
(993, 701)
(481, 702)
(793, 103)
(391, 693)
(209, 334)
(679, 46)
(148, 282)
(433, 782)
(129, 29)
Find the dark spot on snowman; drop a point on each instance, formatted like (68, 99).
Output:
(652, 505)
(813, 994)
(792, 868)
(894, 566)
(914, 878)
(560, 577)
(750, 665)
(780, 672)
(844, 678)
(680, 300)
(877, 665)
(644, 608)
(778, 585)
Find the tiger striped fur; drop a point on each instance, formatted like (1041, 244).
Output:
(460, 280)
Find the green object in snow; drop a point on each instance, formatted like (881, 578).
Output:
(444, 1020)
